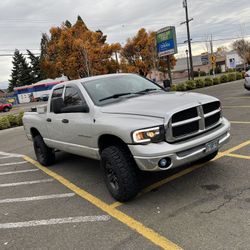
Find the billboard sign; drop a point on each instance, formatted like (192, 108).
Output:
(166, 41)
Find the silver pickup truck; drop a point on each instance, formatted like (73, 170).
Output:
(128, 123)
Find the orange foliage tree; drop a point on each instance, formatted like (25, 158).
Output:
(77, 52)
(139, 53)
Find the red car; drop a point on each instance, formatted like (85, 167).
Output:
(5, 107)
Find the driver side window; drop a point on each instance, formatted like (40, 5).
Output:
(72, 97)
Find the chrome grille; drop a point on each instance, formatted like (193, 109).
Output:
(191, 122)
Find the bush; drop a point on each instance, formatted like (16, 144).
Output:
(231, 70)
(223, 79)
(238, 76)
(208, 81)
(181, 87)
(173, 87)
(12, 120)
(20, 119)
(231, 77)
(199, 83)
(216, 80)
(4, 123)
(203, 73)
(190, 84)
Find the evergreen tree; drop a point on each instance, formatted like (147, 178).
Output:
(21, 72)
(35, 66)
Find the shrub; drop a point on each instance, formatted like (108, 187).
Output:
(231, 77)
(12, 120)
(190, 84)
(173, 87)
(223, 79)
(199, 83)
(20, 119)
(203, 73)
(216, 80)
(208, 81)
(181, 87)
(4, 123)
(238, 76)
(196, 73)
(231, 70)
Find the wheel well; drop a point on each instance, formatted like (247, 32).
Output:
(34, 132)
(110, 140)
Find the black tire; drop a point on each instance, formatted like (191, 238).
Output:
(208, 157)
(6, 109)
(44, 154)
(119, 173)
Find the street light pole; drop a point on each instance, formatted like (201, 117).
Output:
(188, 65)
(189, 40)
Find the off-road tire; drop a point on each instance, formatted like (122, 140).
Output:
(119, 173)
(44, 154)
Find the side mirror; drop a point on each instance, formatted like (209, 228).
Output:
(57, 104)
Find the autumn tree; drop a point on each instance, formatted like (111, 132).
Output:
(77, 52)
(139, 53)
(243, 49)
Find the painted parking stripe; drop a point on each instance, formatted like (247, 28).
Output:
(246, 157)
(38, 198)
(12, 163)
(19, 171)
(127, 220)
(10, 154)
(231, 107)
(239, 122)
(25, 183)
(35, 223)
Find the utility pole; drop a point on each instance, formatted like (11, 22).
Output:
(189, 40)
(188, 64)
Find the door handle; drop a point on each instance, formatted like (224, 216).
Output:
(49, 120)
(65, 121)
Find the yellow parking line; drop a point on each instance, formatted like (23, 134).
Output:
(239, 156)
(239, 122)
(184, 172)
(135, 225)
(237, 97)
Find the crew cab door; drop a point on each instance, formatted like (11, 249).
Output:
(76, 124)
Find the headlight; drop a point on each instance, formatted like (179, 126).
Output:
(155, 134)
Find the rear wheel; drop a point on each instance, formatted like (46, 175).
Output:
(119, 173)
(44, 154)
(6, 109)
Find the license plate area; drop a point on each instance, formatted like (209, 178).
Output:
(212, 146)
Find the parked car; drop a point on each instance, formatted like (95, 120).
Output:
(5, 107)
(247, 80)
(129, 123)
(44, 97)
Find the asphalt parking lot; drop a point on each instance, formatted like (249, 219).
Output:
(67, 206)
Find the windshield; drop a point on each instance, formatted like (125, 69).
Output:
(107, 90)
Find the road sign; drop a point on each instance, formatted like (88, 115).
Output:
(166, 41)
(213, 59)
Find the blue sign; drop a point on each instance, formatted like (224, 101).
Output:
(166, 41)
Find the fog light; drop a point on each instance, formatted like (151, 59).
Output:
(164, 163)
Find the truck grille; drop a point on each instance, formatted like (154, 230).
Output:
(193, 121)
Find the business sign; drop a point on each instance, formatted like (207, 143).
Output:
(232, 63)
(166, 41)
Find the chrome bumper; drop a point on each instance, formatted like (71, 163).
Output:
(148, 156)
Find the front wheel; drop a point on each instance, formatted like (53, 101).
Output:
(44, 154)
(6, 109)
(119, 173)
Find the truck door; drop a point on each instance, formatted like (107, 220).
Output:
(76, 125)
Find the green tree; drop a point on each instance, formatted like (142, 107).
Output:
(35, 67)
(21, 72)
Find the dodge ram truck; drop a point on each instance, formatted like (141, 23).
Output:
(128, 123)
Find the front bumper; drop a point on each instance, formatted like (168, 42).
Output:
(148, 156)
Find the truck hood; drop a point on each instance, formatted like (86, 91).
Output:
(157, 104)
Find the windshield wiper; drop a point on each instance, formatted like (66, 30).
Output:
(115, 96)
(145, 91)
